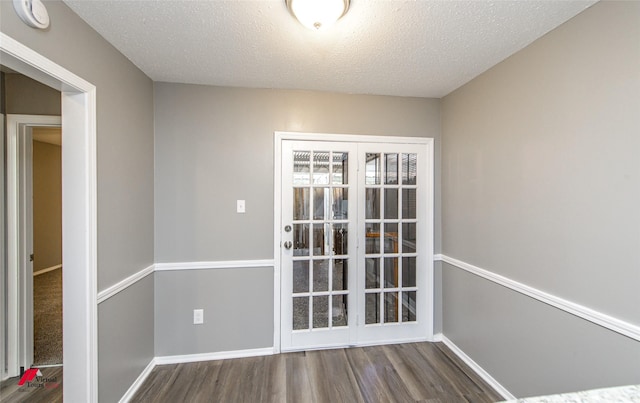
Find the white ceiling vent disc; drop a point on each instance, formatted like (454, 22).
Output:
(32, 12)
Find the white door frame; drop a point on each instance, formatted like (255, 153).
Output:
(3, 373)
(279, 137)
(79, 208)
(20, 240)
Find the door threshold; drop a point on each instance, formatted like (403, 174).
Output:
(47, 366)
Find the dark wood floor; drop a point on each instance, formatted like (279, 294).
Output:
(47, 389)
(415, 372)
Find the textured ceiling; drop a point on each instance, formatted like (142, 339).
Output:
(409, 48)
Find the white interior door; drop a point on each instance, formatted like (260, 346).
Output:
(356, 242)
(395, 292)
(319, 212)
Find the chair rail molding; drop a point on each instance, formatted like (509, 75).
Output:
(124, 284)
(226, 264)
(601, 319)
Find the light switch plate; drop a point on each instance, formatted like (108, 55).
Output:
(198, 316)
(240, 206)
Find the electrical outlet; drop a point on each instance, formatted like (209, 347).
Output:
(240, 206)
(198, 316)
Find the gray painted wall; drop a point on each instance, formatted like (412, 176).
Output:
(532, 348)
(213, 146)
(125, 328)
(29, 97)
(541, 184)
(238, 310)
(125, 176)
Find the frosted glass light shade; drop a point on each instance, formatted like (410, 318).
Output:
(317, 14)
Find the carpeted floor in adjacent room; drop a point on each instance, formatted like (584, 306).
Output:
(47, 318)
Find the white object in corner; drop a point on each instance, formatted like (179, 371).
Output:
(32, 12)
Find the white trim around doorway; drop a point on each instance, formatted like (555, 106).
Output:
(79, 206)
(3, 372)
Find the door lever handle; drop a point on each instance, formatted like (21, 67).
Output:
(288, 244)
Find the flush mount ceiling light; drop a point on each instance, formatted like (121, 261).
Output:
(317, 14)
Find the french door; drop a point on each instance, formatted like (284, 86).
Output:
(355, 242)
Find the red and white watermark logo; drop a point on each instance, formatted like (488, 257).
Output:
(29, 375)
(33, 378)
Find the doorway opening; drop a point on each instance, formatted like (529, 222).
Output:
(47, 245)
(79, 227)
(34, 242)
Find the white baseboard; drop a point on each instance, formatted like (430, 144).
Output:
(478, 369)
(392, 341)
(47, 270)
(138, 382)
(179, 359)
(221, 355)
(367, 343)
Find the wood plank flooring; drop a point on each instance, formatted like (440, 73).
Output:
(414, 372)
(47, 389)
